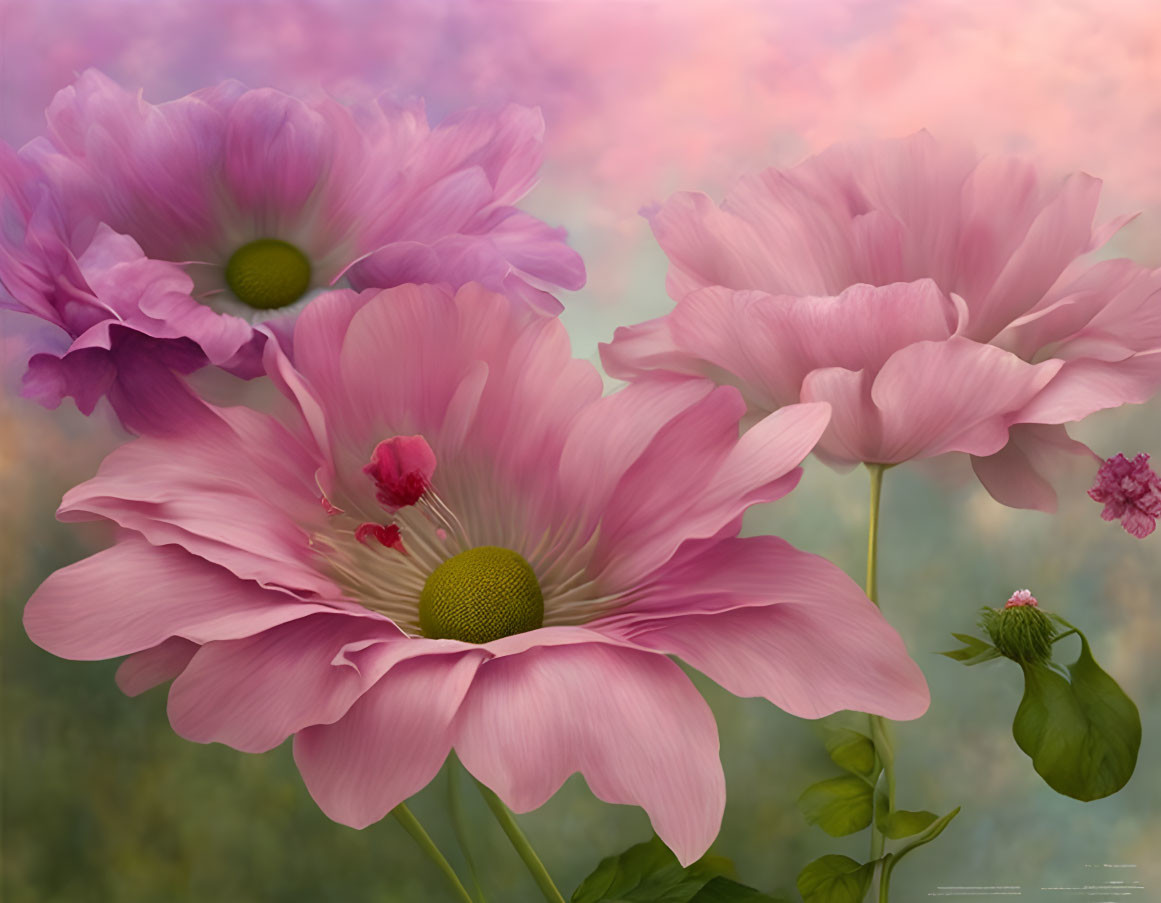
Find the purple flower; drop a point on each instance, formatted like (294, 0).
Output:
(210, 220)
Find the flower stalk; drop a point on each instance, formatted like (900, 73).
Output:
(880, 727)
(521, 845)
(459, 822)
(411, 825)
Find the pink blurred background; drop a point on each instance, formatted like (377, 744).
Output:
(645, 96)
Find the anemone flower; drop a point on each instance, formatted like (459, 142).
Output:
(933, 298)
(447, 538)
(262, 198)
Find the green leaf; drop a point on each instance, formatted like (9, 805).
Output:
(892, 859)
(835, 879)
(974, 650)
(839, 805)
(723, 890)
(1082, 734)
(649, 873)
(853, 752)
(903, 823)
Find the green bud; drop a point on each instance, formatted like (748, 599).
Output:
(1020, 630)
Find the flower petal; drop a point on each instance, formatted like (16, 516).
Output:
(276, 153)
(801, 633)
(134, 596)
(254, 692)
(695, 476)
(1084, 386)
(1021, 474)
(249, 516)
(956, 395)
(390, 743)
(630, 722)
(146, 669)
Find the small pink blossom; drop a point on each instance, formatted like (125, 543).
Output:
(1130, 492)
(1021, 597)
(614, 519)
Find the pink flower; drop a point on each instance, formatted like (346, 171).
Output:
(1130, 492)
(564, 546)
(931, 297)
(262, 198)
(1019, 598)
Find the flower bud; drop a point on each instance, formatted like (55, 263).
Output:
(1020, 630)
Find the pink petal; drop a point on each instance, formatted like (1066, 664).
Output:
(134, 596)
(1084, 386)
(254, 692)
(390, 743)
(952, 396)
(694, 477)
(800, 632)
(505, 144)
(395, 264)
(645, 347)
(675, 463)
(1021, 474)
(84, 375)
(855, 431)
(1137, 523)
(247, 515)
(613, 432)
(1061, 231)
(156, 163)
(769, 343)
(538, 250)
(446, 206)
(146, 669)
(630, 722)
(276, 153)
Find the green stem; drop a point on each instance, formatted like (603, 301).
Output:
(521, 845)
(885, 879)
(459, 823)
(873, 531)
(880, 727)
(412, 826)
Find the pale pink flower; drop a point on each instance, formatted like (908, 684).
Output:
(931, 297)
(1130, 492)
(524, 606)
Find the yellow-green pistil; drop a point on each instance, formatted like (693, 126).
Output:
(481, 595)
(268, 273)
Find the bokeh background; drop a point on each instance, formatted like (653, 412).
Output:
(100, 801)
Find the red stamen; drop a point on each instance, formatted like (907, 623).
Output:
(387, 536)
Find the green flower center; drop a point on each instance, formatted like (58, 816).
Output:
(268, 273)
(481, 595)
